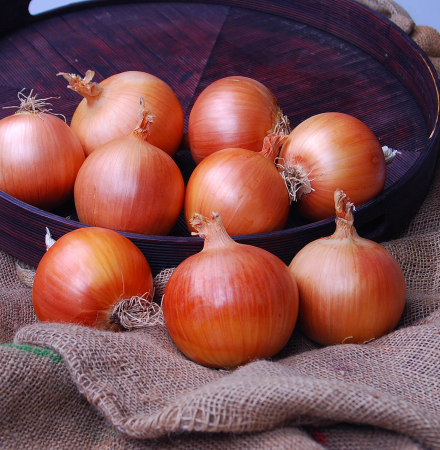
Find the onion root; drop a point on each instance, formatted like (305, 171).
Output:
(389, 154)
(296, 180)
(137, 312)
(33, 105)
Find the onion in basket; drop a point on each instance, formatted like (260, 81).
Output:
(130, 185)
(231, 303)
(243, 186)
(109, 109)
(39, 155)
(350, 289)
(331, 151)
(233, 112)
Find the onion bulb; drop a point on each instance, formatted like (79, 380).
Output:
(351, 290)
(130, 185)
(331, 151)
(230, 303)
(109, 109)
(243, 186)
(233, 112)
(39, 155)
(94, 277)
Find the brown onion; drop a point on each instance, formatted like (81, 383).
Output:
(351, 290)
(109, 109)
(130, 185)
(331, 151)
(39, 155)
(233, 112)
(243, 186)
(94, 277)
(231, 303)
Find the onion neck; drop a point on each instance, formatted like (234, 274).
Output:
(146, 118)
(90, 90)
(344, 217)
(276, 136)
(212, 230)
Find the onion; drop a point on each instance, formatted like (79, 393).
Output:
(243, 186)
(109, 109)
(331, 151)
(39, 155)
(130, 185)
(233, 112)
(231, 303)
(350, 289)
(94, 277)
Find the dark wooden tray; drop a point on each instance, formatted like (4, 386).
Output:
(314, 55)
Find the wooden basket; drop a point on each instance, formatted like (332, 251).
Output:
(314, 55)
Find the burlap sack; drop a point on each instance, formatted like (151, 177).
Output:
(392, 11)
(144, 388)
(426, 37)
(70, 387)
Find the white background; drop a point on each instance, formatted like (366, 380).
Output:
(423, 12)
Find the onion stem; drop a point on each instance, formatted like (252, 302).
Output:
(344, 217)
(211, 229)
(84, 86)
(146, 118)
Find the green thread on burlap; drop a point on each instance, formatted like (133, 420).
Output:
(44, 352)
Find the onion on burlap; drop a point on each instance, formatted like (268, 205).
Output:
(95, 277)
(351, 289)
(231, 303)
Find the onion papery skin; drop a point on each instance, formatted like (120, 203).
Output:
(114, 112)
(231, 112)
(351, 290)
(39, 159)
(230, 304)
(85, 273)
(337, 151)
(244, 187)
(130, 185)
